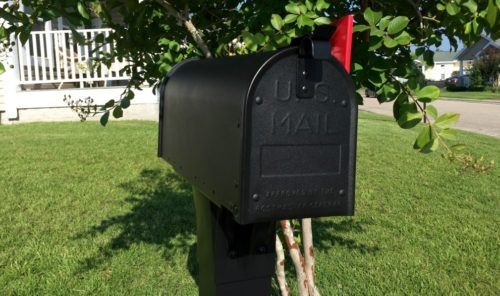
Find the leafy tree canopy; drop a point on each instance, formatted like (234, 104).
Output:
(153, 35)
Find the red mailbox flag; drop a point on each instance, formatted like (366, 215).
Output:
(341, 41)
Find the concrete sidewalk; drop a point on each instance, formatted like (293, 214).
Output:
(477, 116)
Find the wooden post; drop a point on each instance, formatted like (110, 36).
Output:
(233, 259)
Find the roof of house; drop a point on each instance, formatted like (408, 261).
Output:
(466, 54)
(445, 56)
(469, 53)
(442, 56)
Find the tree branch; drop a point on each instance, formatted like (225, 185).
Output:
(186, 21)
(280, 268)
(307, 240)
(297, 258)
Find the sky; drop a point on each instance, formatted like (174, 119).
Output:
(447, 47)
(444, 47)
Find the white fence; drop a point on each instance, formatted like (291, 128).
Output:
(54, 57)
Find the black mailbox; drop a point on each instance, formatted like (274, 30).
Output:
(267, 136)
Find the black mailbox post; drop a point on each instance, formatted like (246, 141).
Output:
(261, 137)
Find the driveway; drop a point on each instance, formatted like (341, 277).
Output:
(476, 116)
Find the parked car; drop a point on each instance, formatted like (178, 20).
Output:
(370, 93)
(458, 82)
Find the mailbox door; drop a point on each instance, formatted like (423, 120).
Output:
(301, 148)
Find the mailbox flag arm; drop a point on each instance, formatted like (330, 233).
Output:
(341, 41)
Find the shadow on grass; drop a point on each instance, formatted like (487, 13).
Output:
(162, 214)
(328, 233)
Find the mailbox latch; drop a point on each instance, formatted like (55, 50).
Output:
(309, 65)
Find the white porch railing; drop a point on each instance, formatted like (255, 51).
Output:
(54, 57)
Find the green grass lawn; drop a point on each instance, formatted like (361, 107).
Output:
(91, 210)
(471, 95)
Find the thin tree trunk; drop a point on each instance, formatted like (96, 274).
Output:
(280, 268)
(307, 240)
(297, 258)
(186, 21)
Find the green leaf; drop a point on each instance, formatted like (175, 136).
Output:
(2, 68)
(303, 20)
(419, 51)
(428, 94)
(311, 14)
(448, 134)
(424, 138)
(458, 147)
(359, 98)
(3, 33)
(276, 22)
(406, 113)
(388, 92)
(302, 8)
(375, 43)
(130, 95)
(125, 103)
(118, 112)
(429, 58)
(99, 38)
(322, 21)
(109, 104)
(293, 8)
(409, 119)
(471, 5)
(104, 118)
(309, 5)
(398, 24)
(360, 28)
(251, 41)
(292, 33)
(9, 17)
(389, 42)
(25, 34)
(376, 32)
(447, 120)
(399, 104)
(477, 28)
(322, 5)
(452, 8)
(290, 18)
(82, 10)
(376, 78)
(440, 7)
(260, 38)
(384, 22)
(491, 15)
(403, 39)
(78, 36)
(372, 17)
(432, 146)
(468, 28)
(432, 111)
(357, 67)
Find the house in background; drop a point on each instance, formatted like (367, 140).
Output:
(484, 45)
(51, 65)
(446, 63)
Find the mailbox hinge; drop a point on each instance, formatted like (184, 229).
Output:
(309, 65)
